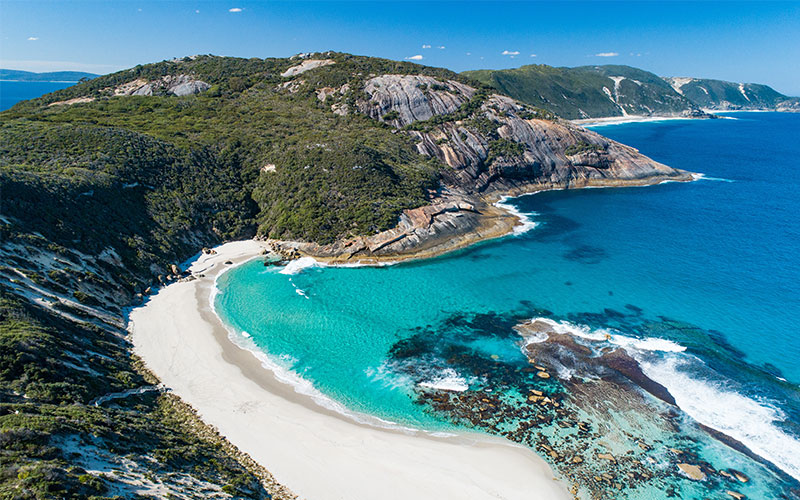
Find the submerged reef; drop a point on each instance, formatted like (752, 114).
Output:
(582, 402)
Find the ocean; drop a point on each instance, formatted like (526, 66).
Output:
(11, 92)
(698, 282)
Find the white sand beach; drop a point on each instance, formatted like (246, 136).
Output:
(315, 452)
(619, 120)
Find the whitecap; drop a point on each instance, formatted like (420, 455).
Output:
(647, 344)
(525, 221)
(297, 265)
(447, 380)
(704, 177)
(716, 404)
(603, 335)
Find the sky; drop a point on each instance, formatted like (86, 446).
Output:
(738, 41)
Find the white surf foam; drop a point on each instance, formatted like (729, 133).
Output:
(704, 177)
(297, 265)
(447, 380)
(302, 386)
(525, 222)
(648, 344)
(715, 404)
(709, 402)
(612, 337)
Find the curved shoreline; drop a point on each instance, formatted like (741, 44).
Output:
(316, 453)
(494, 221)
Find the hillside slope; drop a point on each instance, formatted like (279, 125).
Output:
(53, 76)
(721, 95)
(108, 185)
(588, 91)
(613, 90)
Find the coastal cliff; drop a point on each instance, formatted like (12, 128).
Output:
(492, 146)
(110, 184)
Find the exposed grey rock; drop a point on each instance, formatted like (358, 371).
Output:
(413, 97)
(179, 85)
(497, 146)
(306, 65)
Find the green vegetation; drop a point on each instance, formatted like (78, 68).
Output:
(713, 93)
(582, 147)
(50, 372)
(206, 151)
(586, 91)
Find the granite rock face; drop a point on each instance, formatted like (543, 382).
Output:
(178, 85)
(494, 146)
(306, 65)
(502, 144)
(412, 98)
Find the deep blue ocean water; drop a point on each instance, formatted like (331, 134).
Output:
(710, 266)
(13, 92)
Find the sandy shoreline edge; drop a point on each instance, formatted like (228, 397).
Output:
(315, 452)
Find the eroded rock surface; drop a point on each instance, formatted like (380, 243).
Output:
(179, 85)
(306, 65)
(494, 146)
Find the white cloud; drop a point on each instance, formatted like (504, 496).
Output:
(511, 53)
(235, 9)
(425, 46)
(533, 55)
(196, 11)
(417, 57)
(469, 53)
(441, 47)
(607, 54)
(33, 38)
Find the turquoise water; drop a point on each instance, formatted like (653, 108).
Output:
(710, 266)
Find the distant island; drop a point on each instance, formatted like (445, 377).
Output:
(53, 76)
(615, 91)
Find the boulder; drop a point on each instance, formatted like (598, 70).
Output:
(692, 471)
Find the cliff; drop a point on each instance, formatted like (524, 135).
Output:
(491, 146)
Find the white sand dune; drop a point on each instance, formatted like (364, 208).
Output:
(313, 451)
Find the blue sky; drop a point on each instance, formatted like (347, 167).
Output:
(744, 41)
